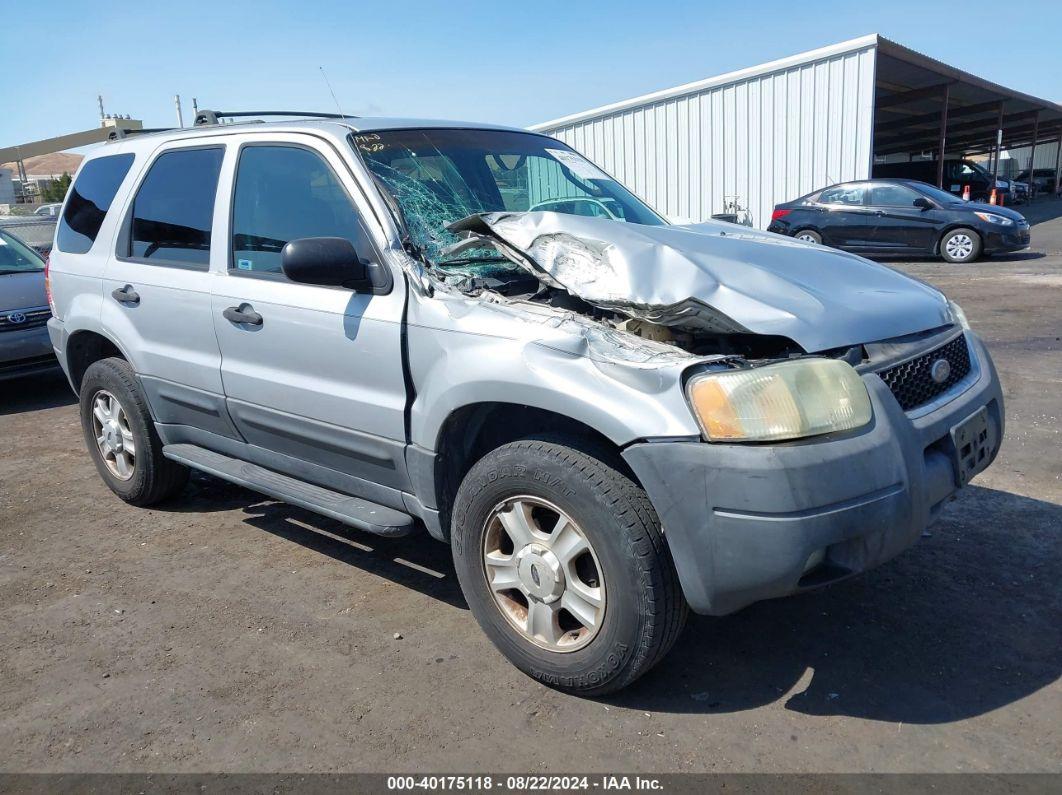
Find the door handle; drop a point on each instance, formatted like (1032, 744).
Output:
(879, 212)
(244, 313)
(126, 295)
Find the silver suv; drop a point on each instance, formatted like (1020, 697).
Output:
(475, 332)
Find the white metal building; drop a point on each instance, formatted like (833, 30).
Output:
(774, 132)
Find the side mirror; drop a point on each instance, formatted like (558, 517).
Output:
(327, 261)
(923, 203)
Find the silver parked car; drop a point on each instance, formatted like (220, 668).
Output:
(474, 331)
(24, 344)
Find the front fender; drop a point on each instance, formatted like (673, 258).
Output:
(622, 401)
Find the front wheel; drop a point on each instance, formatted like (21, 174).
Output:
(960, 245)
(562, 561)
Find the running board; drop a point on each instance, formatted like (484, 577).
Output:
(356, 512)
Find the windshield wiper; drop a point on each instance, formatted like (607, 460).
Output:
(471, 260)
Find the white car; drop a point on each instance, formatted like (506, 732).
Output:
(48, 210)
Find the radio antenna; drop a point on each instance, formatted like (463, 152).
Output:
(330, 91)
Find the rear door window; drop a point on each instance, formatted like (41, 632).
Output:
(173, 210)
(90, 199)
(892, 196)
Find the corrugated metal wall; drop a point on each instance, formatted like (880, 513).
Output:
(766, 138)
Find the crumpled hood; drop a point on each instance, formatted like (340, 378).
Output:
(716, 277)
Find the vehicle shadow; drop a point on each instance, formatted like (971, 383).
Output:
(985, 261)
(962, 624)
(416, 561)
(47, 390)
(1046, 208)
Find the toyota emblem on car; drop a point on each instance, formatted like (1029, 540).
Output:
(16, 318)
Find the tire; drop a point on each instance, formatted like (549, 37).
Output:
(146, 477)
(960, 245)
(810, 235)
(642, 609)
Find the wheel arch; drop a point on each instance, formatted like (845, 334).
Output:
(85, 347)
(473, 430)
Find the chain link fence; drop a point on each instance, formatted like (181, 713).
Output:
(35, 232)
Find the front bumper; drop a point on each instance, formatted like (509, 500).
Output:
(743, 521)
(1013, 239)
(25, 352)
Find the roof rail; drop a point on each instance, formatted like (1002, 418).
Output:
(205, 117)
(118, 133)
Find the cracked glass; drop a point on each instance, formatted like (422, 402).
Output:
(438, 176)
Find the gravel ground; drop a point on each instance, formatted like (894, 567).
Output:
(229, 633)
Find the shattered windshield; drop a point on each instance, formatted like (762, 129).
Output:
(438, 176)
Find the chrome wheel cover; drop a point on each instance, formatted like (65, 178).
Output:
(543, 574)
(806, 238)
(114, 438)
(959, 246)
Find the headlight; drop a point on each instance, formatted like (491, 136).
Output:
(779, 401)
(958, 315)
(992, 218)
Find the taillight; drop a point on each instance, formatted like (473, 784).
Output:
(48, 284)
(779, 213)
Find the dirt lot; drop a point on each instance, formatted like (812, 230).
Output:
(225, 632)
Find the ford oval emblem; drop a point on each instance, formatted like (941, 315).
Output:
(940, 371)
(16, 318)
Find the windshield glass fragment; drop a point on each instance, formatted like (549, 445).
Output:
(439, 176)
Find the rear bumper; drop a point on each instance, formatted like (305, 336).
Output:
(25, 352)
(743, 521)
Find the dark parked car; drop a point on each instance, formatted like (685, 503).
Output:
(24, 343)
(958, 173)
(1044, 180)
(895, 216)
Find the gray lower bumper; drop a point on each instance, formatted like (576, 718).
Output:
(743, 521)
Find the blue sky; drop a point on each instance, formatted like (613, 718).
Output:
(507, 62)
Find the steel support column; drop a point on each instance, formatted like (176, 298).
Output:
(1058, 165)
(999, 143)
(1032, 156)
(943, 135)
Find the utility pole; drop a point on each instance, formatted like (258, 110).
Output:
(180, 117)
(99, 101)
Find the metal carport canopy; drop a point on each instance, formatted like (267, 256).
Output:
(914, 94)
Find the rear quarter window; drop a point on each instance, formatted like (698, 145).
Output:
(90, 199)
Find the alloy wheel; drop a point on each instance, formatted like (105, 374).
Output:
(114, 438)
(543, 573)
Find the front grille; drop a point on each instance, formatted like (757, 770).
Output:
(911, 381)
(29, 318)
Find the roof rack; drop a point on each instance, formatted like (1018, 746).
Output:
(205, 117)
(118, 133)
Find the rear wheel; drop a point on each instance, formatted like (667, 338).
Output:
(808, 236)
(960, 245)
(121, 437)
(562, 561)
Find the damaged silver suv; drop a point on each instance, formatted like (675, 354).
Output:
(474, 331)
